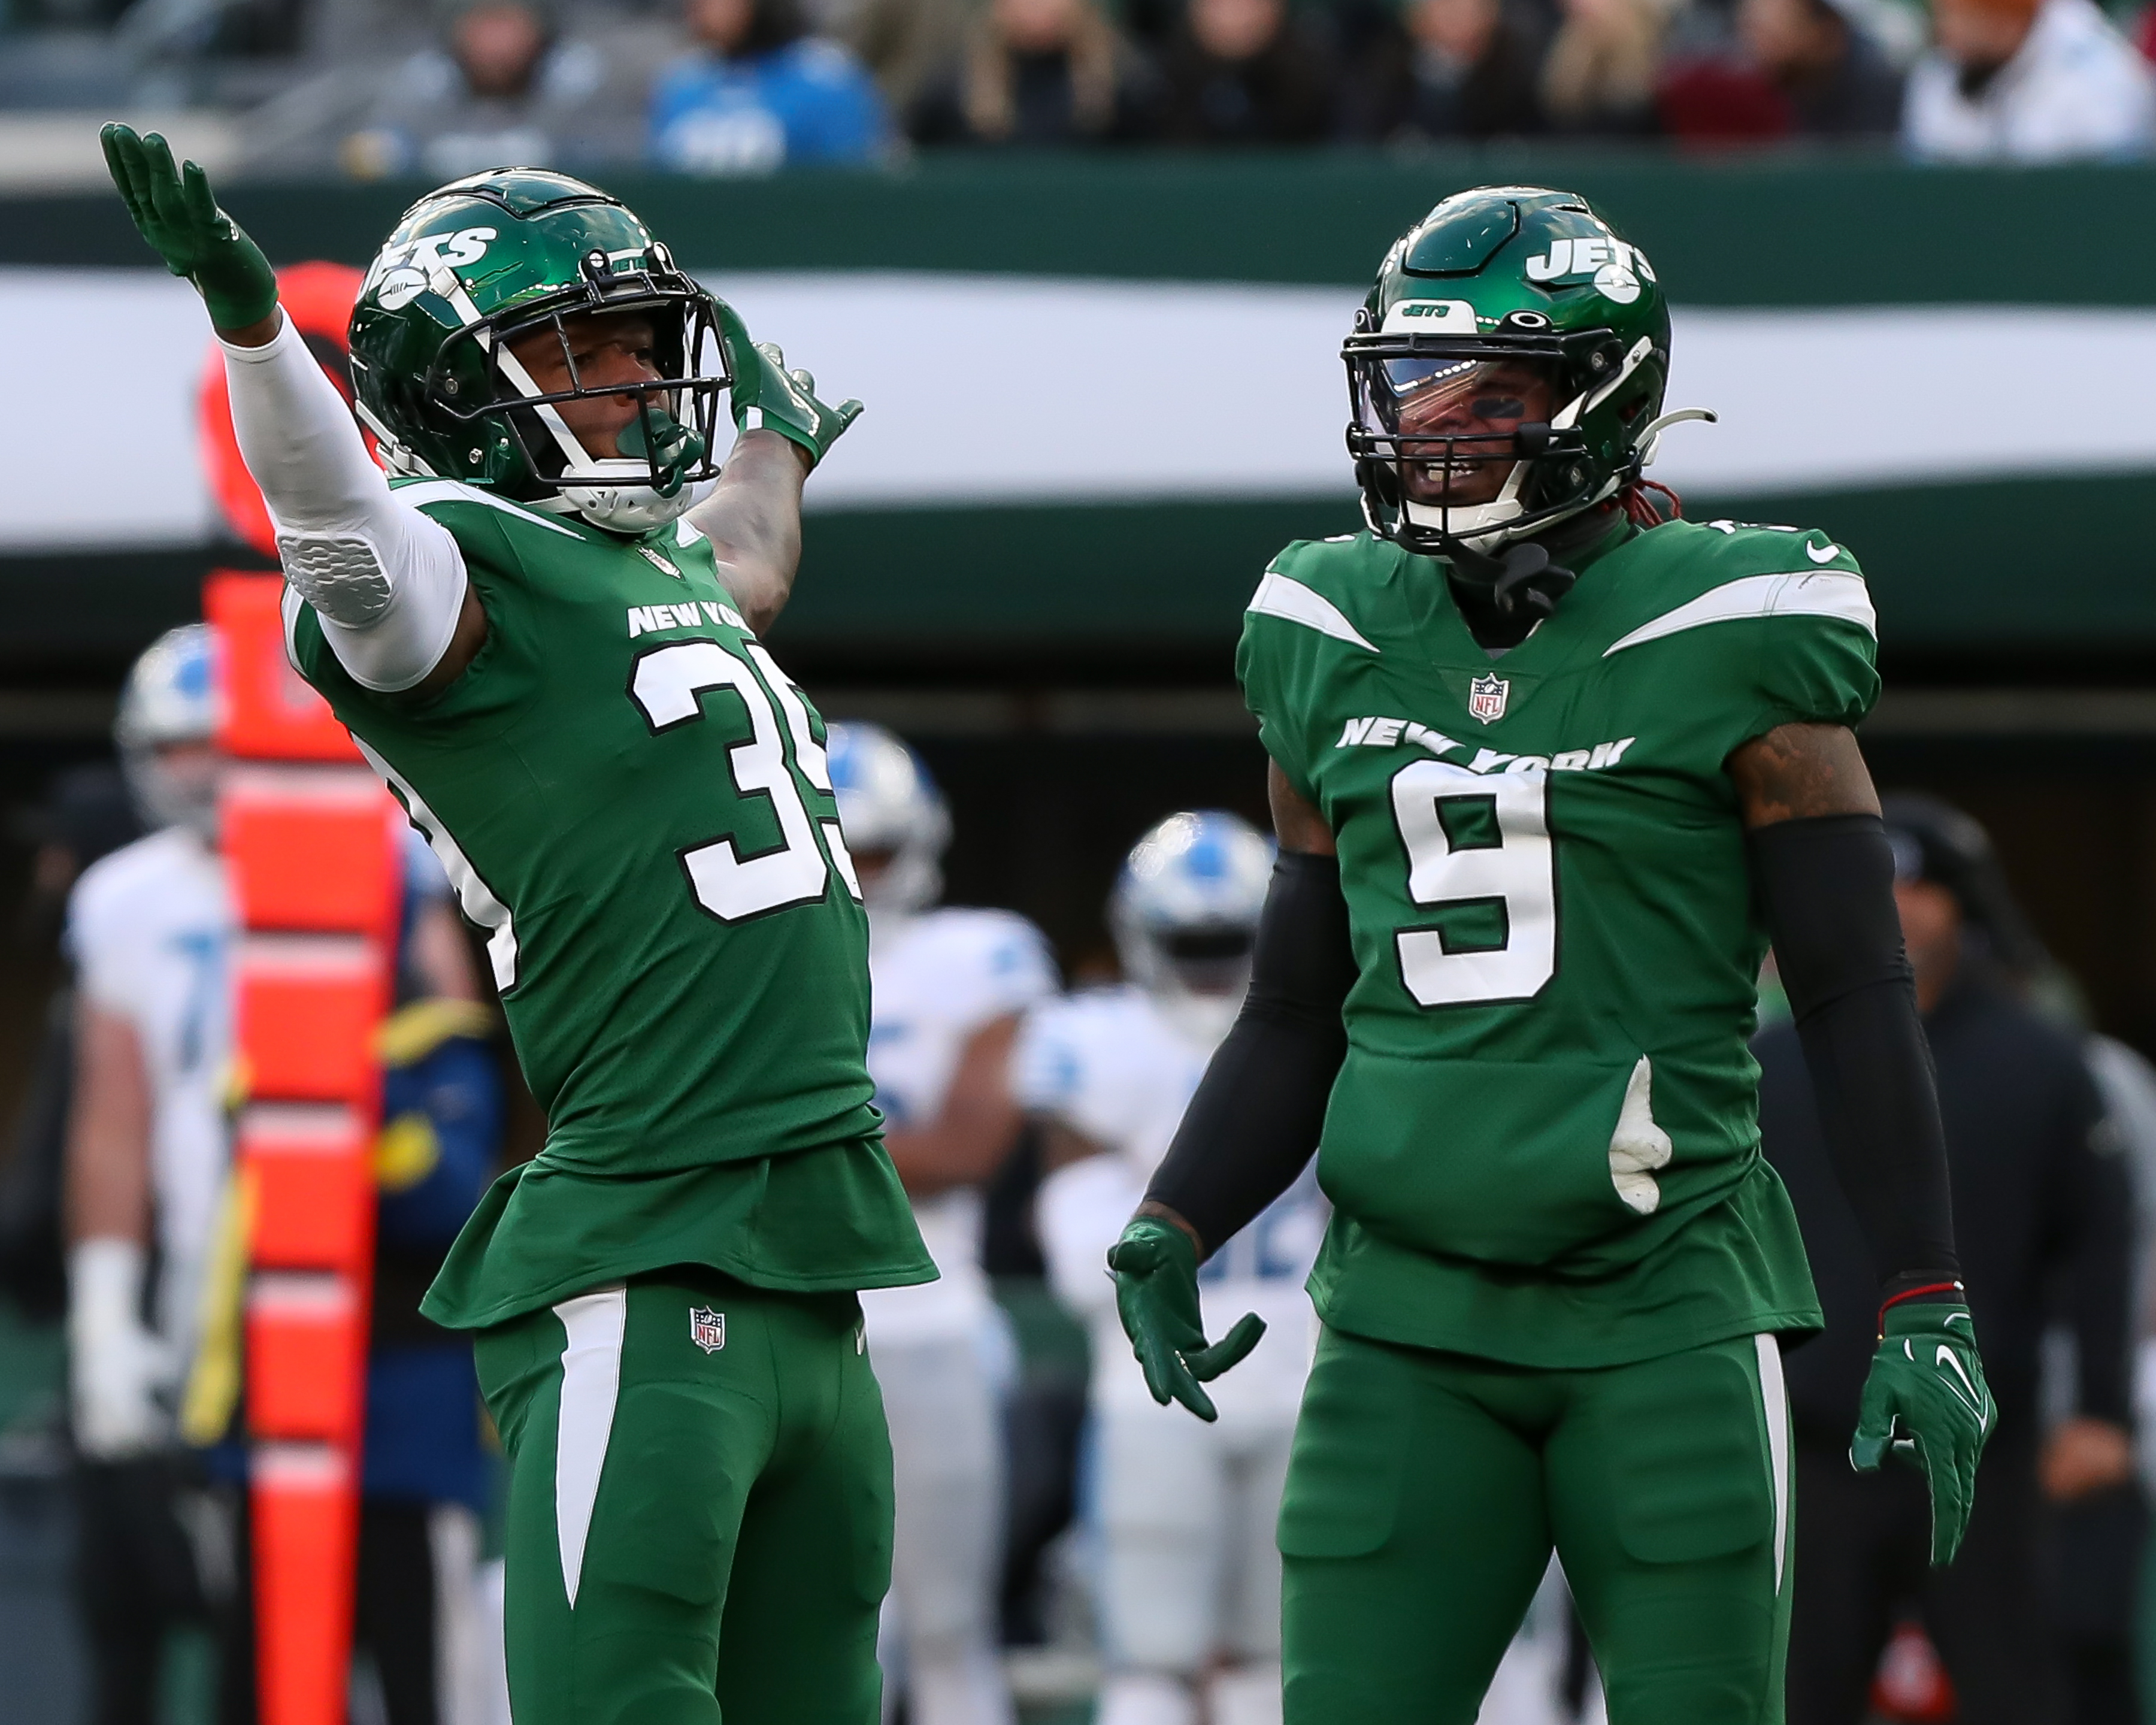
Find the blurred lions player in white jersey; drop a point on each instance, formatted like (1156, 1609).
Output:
(147, 927)
(1188, 1576)
(948, 987)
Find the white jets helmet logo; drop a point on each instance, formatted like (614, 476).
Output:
(401, 273)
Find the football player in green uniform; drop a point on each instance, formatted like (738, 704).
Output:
(541, 629)
(1549, 766)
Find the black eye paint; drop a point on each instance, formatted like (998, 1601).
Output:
(1499, 406)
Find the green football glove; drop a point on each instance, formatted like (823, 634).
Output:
(768, 396)
(177, 212)
(1926, 1400)
(1155, 1265)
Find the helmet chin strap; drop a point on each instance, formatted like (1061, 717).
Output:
(1521, 579)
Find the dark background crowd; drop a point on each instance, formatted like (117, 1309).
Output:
(430, 89)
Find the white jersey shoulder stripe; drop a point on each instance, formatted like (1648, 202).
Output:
(442, 490)
(1804, 593)
(479, 901)
(1279, 596)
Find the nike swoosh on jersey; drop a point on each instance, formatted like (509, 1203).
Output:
(1817, 555)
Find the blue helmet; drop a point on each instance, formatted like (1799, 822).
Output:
(1185, 912)
(891, 812)
(170, 697)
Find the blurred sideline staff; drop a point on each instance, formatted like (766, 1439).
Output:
(947, 987)
(1187, 1575)
(2044, 1214)
(87, 814)
(153, 1258)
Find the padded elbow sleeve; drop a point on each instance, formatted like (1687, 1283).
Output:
(387, 582)
(1826, 886)
(1253, 1123)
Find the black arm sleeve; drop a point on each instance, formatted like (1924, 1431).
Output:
(1826, 886)
(1254, 1122)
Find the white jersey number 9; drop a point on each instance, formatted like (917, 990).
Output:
(1479, 846)
(669, 683)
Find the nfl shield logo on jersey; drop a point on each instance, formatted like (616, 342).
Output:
(707, 1329)
(1485, 698)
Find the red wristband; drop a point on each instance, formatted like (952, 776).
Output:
(1907, 1294)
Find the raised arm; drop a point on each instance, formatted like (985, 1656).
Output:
(753, 518)
(1825, 877)
(388, 583)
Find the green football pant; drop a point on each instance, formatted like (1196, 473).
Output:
(700, 1504)
(1425, 1492)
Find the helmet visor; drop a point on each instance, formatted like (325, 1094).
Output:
(1453, 421)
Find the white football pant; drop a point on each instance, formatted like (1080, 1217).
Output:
(939, 1619)
(1189, 1573)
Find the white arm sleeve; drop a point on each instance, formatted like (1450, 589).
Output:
(388, 583)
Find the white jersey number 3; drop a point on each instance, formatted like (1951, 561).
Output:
(669, 683)
(1479, 840)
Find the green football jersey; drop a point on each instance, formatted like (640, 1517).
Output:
(1543, 1145)
(632, 799)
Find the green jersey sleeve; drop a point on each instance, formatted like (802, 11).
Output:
(1290, 627)
(1816, 669)
(1749, 627)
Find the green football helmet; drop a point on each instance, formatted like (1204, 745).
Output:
(498, 256)
(1512, 330)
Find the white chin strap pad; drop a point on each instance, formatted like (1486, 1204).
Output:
(1476, 522)
(633, 508)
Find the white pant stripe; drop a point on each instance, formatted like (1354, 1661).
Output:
(1774, 1403)
(591, 1380)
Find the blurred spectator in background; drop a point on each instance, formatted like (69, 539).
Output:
(503, 84)
(903, 43)
(761, 92)
(1248, 72)
(2028, 81)
(1805, 69)
(2043, 1215)
(1838, 82)
(1039, 73)
(1599, 76)
(1452, 69)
